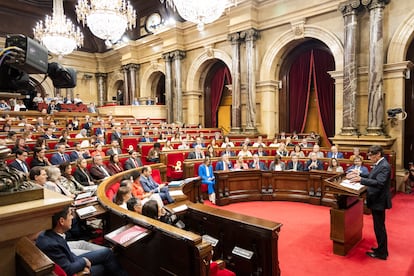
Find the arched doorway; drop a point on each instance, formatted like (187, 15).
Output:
(307, 101)
(159, 88)
(409, 108)
(217, 98)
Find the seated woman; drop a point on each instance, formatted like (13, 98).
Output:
(211, 152)
(227, 142)
(54, 182)
(167, 146)
(81, 173)
(240, 164)
(152, 210)
(277, 164)
(334, 166)
(297, 150)
(154, 153)
(98, 150)
(20, 144)
(139, 193)
(245, 152)
(69, 182)
(122, 196)
(282, 150)
(205, 171)
(114, 165)
(213, 143)
(275, 143)
(39, 158)
(41, 142)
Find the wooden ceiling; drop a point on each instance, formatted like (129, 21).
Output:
(20, 17)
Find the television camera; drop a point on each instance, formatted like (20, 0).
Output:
(22, 56)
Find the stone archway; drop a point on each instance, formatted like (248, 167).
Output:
(193, 93)
(269, 73)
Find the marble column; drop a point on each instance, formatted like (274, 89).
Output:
(350, 85)
(124, 70)
(168, 87)
(234, 39)
(102, 88)
(177, 56)
(133, 82)
(250, 37)
(376, 66)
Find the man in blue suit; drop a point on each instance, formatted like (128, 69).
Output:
(60, 157)
(378, 182)
(257, 164)
(224, 164)
(53, 243)
(313, 163)
(358, 167)
(149, 185)
(334, 153)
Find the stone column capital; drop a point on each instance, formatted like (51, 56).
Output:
(350, 7)
(234, 38)
(374, 4)
(132, 66)
(250, 34)
(178, 54)
(124, 68)
(101, 75)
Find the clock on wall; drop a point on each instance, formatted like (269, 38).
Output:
(153, 21)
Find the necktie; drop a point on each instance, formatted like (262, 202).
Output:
(104, 171)
(63, 158)
(23, 165)
(136, 163)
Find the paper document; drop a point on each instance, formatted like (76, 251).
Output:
(82, 212)
(355, 186)
(176, 193)
(180, 208)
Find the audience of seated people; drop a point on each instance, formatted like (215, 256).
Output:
(313, 163)
(294, 164)
(334, 153)
(139, 192)
(99, 171)
(257, 164)
(224, 164)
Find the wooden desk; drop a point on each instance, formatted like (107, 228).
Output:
(22, 219)
(256, 236)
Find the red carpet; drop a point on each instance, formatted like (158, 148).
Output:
(306, 249)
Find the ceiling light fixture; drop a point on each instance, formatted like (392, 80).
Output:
(58, 34)
(200, 12)
(107, 19)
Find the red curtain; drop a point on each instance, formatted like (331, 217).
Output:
(221, 77)
(299, 91)
(325, 89)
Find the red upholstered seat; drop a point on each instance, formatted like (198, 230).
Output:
(156, 175)
(216, 271)
(111, 192)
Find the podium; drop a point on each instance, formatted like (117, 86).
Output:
(346, 215)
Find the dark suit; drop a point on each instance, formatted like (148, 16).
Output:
(57, 159)
(149, 185)
(143, 139)
(111, 151)
(57, 249)
(262, 165)
(220, 166)
(82, 177)
(299, 166)
(229, 153)
(338, 155)
(319, 165)
(116, 136)
(15, 164)
(193, 155)
(130, 164)
(378, 199)
(97, 173)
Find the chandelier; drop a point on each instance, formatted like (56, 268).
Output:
(107, 19)
(202, 11)
(58, 34)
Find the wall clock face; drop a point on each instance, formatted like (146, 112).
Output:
(153, 21)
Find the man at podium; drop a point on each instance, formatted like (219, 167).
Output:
(378, 197)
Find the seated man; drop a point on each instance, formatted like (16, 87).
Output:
(408, 179)
(53, 243)
(294, 164)
(197, 153)
(133, 161)
(20, 163)
(98, 170)
(257, 164)
(334, 153)
(149, 185)
(154, 153)
(358, 167)
(313, 163)
(224, 164)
